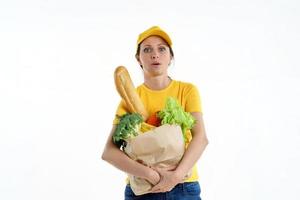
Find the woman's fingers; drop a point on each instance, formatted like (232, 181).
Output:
(165, 168)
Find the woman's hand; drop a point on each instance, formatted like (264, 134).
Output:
(153, 177)
(168, 180)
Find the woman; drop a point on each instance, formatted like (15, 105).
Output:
(154, 54)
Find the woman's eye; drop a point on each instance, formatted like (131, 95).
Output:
(147, 50)
(162, 49)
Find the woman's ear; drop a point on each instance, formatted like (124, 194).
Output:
(138, 59)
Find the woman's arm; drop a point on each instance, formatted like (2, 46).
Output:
(195, 149)
(120, 160)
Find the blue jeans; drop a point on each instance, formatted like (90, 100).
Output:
(182, 191)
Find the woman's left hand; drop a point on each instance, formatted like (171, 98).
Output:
(168, 180)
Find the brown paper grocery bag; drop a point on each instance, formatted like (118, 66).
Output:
(161, 147)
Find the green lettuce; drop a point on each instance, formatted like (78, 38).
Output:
(173, 113)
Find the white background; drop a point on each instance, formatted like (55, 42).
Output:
(58, 96)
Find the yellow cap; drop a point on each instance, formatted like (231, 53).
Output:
(154, 30)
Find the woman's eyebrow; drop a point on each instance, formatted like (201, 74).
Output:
(147, 45)
(160, 44)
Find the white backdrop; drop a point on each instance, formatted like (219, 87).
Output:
(58, 97)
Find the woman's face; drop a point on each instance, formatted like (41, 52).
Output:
(154, 56)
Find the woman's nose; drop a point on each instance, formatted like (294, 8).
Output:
(154, 55)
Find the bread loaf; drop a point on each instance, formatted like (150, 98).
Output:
(127, 91)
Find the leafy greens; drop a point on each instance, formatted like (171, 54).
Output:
(173, 113)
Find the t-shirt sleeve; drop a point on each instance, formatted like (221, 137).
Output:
(193, 100)
(121, 110)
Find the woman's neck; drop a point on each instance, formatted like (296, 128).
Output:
(157, 82)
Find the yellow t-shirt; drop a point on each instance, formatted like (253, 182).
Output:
(154, 100)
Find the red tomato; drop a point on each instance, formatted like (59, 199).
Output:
(154, 120)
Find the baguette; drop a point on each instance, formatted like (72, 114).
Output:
(128, 93)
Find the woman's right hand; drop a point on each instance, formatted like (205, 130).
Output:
(153, 176)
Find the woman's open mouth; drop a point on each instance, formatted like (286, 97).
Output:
(155, 64)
